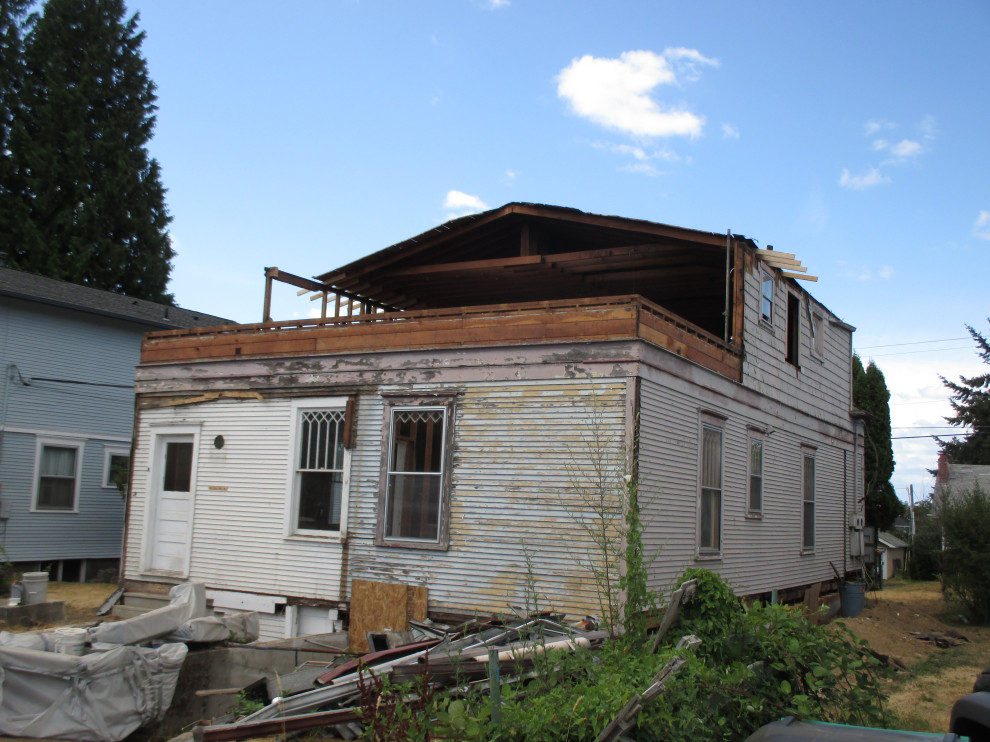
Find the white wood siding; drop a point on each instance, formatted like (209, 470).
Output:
(820, 385)
(241, 498)
(523, 464)
(758, 553)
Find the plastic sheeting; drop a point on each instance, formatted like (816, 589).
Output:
(186, 602)
(102, 696)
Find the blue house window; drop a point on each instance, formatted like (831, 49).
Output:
(57, 484)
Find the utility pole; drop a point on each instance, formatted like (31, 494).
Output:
(911, 501)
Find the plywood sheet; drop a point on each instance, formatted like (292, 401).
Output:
(375, 606)
(416, 596)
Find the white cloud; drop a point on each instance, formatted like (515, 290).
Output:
(496, 4)
(640, 154)
(461, 204)
(872, 127)
(729, 131)
(928, 127)
(880, 144)
(872, 177)
(616, 93)
(640, 168)
(886, 272)
(906, 148)
(981, 228)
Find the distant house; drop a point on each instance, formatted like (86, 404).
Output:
(893, 553)
(955, 479)
(66, 418)
(461, 422)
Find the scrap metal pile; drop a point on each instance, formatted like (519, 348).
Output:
(448, 658)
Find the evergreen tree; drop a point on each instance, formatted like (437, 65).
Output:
(971, 404)
(85, 202)
(13, 26)
(871, 395)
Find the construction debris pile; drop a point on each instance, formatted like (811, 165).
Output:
(103, 682)
(478, 655)
(471, 654)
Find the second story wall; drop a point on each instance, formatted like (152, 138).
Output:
(796, 350)
(78, 369)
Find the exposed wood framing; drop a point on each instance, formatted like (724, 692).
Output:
(612, 318)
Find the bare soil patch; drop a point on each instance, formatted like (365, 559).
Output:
(82, 600)
(922, 699)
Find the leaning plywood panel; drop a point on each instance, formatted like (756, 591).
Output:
(376, 606)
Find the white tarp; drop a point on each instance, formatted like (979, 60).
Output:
(102, 696)
(187, 601)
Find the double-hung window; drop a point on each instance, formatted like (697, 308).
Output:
(57, 478)
(320, 468)
(414, 506)
(755, 501)
(808, 502)
(710, 504)
(766, 299)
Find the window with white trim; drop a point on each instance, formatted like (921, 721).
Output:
(116, 464)
(817, 333)
(808, 503)
(319, 470)
(755, 501)
(766, 299)
(57, 475)
(710, 498)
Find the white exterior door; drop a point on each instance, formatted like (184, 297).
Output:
(171, 524)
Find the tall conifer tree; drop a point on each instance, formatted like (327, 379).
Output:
(13, 26)
(971, 404)
(89, 204)
(871, 395)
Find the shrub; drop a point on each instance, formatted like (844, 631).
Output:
(966, 560)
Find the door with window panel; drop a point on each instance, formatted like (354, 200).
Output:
(173, 498)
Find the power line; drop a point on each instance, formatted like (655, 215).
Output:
(916, 342)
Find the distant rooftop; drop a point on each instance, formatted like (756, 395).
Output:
(30, 287)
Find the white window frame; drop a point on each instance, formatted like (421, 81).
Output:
(808, 499)
(755, 437)
(41, 442)
(108, 453)
(767, 278)
(715, 423)
(817, 324)
(300, 406)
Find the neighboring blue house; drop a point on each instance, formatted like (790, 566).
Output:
(66, 415)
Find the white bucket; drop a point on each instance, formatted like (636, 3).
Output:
(35, 587)
(70, 641)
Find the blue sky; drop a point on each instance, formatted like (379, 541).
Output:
(307, 134)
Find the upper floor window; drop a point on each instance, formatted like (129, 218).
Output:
(817, 333)
(793, 328)
(320, 467)
(766, 299)
(57, 479)
(710, 504)
(415, 506)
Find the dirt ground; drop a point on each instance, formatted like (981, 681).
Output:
(922, 699)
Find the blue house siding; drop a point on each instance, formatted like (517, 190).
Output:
(68, 355)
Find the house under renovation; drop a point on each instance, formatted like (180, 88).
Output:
(466, 418)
